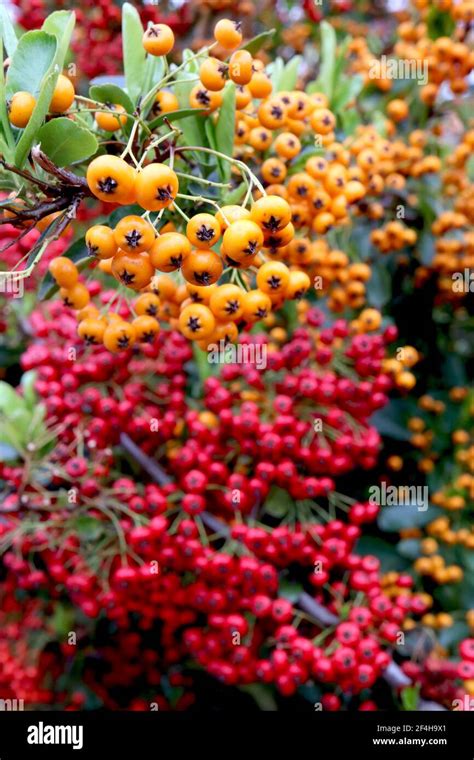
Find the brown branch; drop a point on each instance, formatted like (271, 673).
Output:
(154, 470)
(44, 186)
(393, 674)
(40, 211)
(67, 177)
(15, 240)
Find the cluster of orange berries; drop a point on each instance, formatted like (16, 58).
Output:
(133, 251)
(433, 564)
(393, 236)
(94, 328)
(455, 496)
(113, 180)
(399, 367)
(22, 104)
(446, 59)
(343, 281)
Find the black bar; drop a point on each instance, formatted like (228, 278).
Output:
(139, 735)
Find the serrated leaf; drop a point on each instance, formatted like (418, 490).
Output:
(78, 253)
(134, 54)
(65, 142)
(256, 43)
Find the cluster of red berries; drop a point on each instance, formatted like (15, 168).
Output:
(445, 681)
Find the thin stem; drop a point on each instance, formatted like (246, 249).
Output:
(240, 164)
(202, 180)
(185, 216)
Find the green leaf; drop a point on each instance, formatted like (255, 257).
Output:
(225, 129)
(172, 116)
(10, 400)
(289, 75)
(379, 123)
(409, 548)
(379, 287)
(350, 120)
(451, 637)
(31, 62)
(121, 213)
(385, 552)
(389, 421)
(394, 519)
(78, 253)
(346, 92)
(193, 129)
(117, 79)
(325, 80)
(9, 37)
(211, 133)
(27, 383)
(110, 93)
(278, 502)
(154, 72)
(8, 141)
(426, 247)
(58, 24)
(256, 43)
(134, 54)
(440, 23)
(262, 695)
(289, 590)
(275, 70)
(65, 142)
(63, 619)
(89, 528)
(236, 195)
(203, 366)
(410, 696)
(63, 25)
